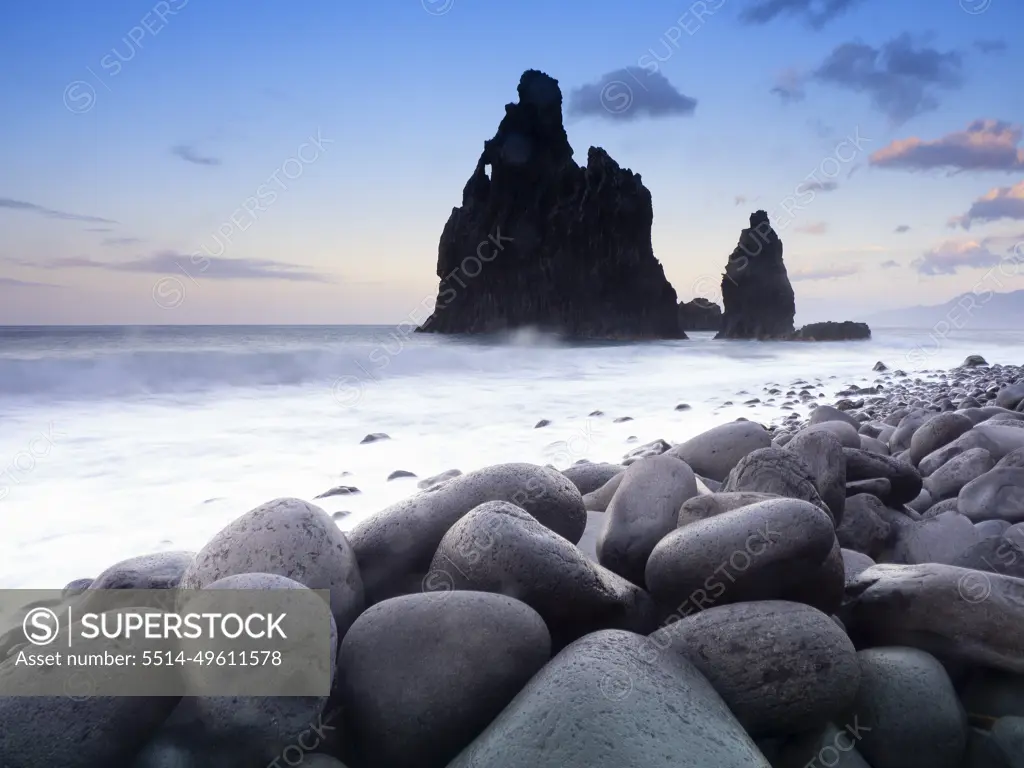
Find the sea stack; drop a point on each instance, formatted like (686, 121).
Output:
(756, 293)
(700, 315)
(540, 242)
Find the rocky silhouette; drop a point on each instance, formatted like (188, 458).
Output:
(757, 296)
(830, 331)
(541, 242)
(700, 315)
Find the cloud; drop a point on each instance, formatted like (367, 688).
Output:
(890, 264)
(789, 86)
(195, 266)
(50, 213)
(189, 154)
(10, 282)
(628, 94)
(825, 273)
(901, 80)
(953, 255)
(996, 204)
(740, 199)
(990, 46)
(815, 13)
(818, 186)
(114, 241)
(98, 229)
(901, 229)
(814, 228)
(985, 145)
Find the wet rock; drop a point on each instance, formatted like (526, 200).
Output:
(566, 249)
(966, 442)
(500, 548)
(778, 471)
(901, 438)
(1013, 460)
(991, 528)
(908, 712)
(598, 501)
(700, 315)
(939, 539)
(644, 509)
(974, 361)
(430, 482)
(396, 545)
(847, 434)
(956, 614)
(879, 367)
(398, 474)
(622, 419)
(855, 563)
(1010, 396)
(863, 529)
(339, 490)
(589, 477)
(993, 554)
(654, 448)
(847, 330)
(714, 453)
(781, 667)
(588, 544)
(683, 407)
(162, 570)
(1006, 436)
(340, 515)
(822, 453)
(703, 507)
(422, 675)
(828, 745)
(609, 701)
(375, 437)
(948, 480)
(826, 413)
(290, 538)
(541, 423)
(904, 478)
(873, 445)
(772, 550)
(941, 429)
(76, 587)
(995, 495)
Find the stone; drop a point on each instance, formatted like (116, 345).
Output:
(847, 434)
(1006, 436)
(908, 711)
(826, 746)
(992, 694)
(778, 471)
(1013, 460)
(921, 503)
(542, 423)
(941, 429)
(703, 507)
(995, 495)
(900, 439)
(948, 480)
(500, 548)
(905, 479)
(395, 546)
(826, 413)
(973, 361)
(873, 445)
(757, 297)
(375, 437)
(684, 407)
(76, 587)
(654, 448)
(993, 554)
(967, 441)
(990, 528)
(1008, 736)
(781, 667)
(863, 529)
(589, 477)
(1010, 396)
(772, 550)
(823, 454)
(540, 242)
(422, 675)
(445, 476)
(847, 330)
(398, 474)
(339, 490)
(939, 539)
(162, 570)
(878, 486)
(607, 701)
(956, 614)
(642, 512)
(855, 563)
(598, 501)
(290, 538)
(879, 367)
(588, 544)
(714, 453)
(700, 315)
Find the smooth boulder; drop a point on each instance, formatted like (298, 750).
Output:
(995, 495)
(703, 507)
(161, 570)
(941, 429)
(903, 477)
(643, 511)
(778, 471)
(714, 453)
(395, 546)
(822, 452)
(864, 528)
(421, 676)
(948, 480)
(589, 477)
(598, 501)
(607, 702)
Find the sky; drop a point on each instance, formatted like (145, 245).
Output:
(270, 162)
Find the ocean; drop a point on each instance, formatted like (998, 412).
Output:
(121, 441)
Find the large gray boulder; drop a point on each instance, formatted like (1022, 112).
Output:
(855, 563)
(847, 434)
(781, 667)
(1010, 396)
(778, 471)
(948, 480)
(864, 528)
(290, 538)
(904, 432)
(904, 478)
(643, 511)
(607, 701)
(941, 429)
(773, 550)
(703, 507)
(994, 554)
(908, 711)
(714, 453)
(500, 548)
(939, 539)
(1005, 436)
(598, 501)
(589, 477)
(161, 570)
(422, 675)
(822, 452)
(825, 413)
(395, 546)
(956, 614)
(995, 495)
(967, 441)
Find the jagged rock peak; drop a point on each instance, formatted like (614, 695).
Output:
(540, 242)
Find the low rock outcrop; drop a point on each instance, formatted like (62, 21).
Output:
(700, 315)
(832, 331)
(541, 242)
(756, 292)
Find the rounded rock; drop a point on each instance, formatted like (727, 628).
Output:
(714, 453)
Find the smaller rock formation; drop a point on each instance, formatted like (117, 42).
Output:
(830, 331)
(700, 315)
(756, 292)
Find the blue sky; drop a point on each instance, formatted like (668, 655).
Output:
(220, 162)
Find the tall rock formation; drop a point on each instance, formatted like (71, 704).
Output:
(540, 242)
(756, 293)
(700, 315)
